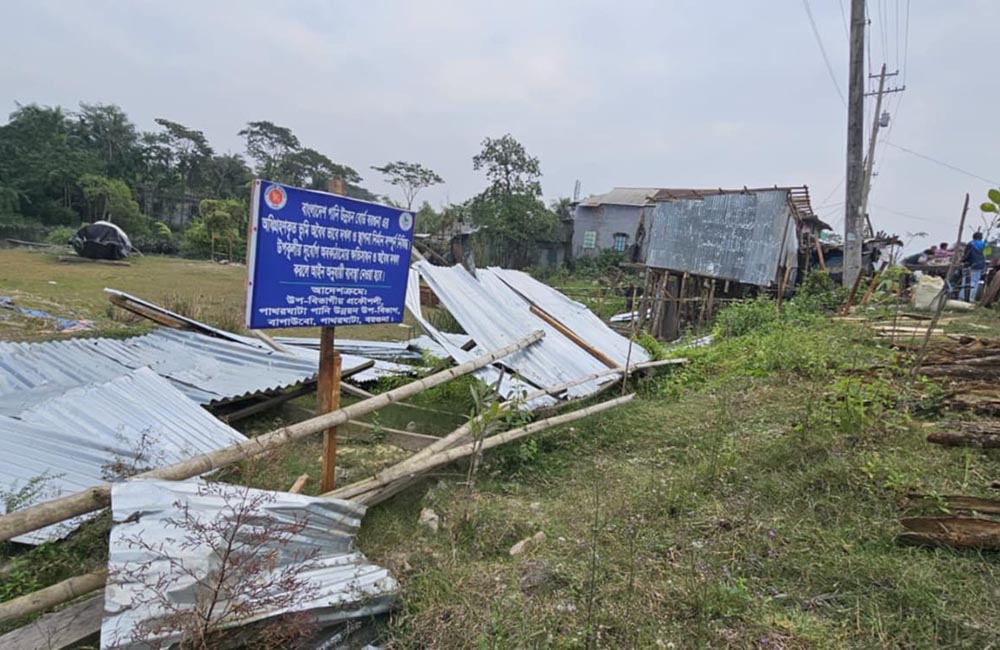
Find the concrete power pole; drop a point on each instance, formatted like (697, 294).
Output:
(853, 217)
(876, 123)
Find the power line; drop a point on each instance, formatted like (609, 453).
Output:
(843, 19)
(906, 41)
(822, 50)
(901, 214)
(833, 191)
(943, 164)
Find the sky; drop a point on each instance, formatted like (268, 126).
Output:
(678, 93)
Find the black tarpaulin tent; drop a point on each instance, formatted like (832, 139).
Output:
(101, 240)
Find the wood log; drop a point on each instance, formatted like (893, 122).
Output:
(64, 628)
(404, 470)
(959, 502)
(48, 597)
(965, 439)
(952, 532)
(44, 514)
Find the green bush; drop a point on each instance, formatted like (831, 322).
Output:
(60, 235)
(820, 292)
(744, 317)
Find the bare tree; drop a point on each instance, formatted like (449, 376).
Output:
(409, 177)
(249, 573)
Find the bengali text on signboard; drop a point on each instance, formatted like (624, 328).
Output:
(319, 259)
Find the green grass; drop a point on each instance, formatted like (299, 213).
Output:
(213, 293)
(747, 500)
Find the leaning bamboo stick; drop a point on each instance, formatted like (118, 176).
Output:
(405, 470)
(73, 587)
(461, 433)
(61, 592)
(97, 497)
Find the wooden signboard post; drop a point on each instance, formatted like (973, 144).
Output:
(328, 384)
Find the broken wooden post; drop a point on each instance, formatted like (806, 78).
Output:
(328, 400)
(44, 514)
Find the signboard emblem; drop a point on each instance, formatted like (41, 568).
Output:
(405, 221)
(275, 197)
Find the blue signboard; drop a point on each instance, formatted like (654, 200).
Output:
(319, 259)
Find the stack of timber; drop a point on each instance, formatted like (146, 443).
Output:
(971, 522)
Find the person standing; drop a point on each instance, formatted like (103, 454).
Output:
(973, 264)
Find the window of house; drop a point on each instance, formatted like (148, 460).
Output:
(620, 242)
(590, 239)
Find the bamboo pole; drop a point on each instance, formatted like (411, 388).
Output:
(74, 587)
(38, 601)
(97, 497)
(460, 434)
(406, 470)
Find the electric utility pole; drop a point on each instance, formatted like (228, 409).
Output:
(853, 217)
(877, 121)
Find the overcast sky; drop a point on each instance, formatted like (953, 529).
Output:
(689, 93)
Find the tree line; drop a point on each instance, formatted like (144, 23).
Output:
(173, 192)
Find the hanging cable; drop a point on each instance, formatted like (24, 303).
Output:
(822, 50)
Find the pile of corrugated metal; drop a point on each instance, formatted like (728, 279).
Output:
(498, 306)
(76, 412)
(284, 554)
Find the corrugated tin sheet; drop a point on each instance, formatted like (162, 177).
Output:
(73, 440)
(450, 345)
(340, 584)
(494, 316)
(204, 368)
(637, 196)
(574, 315)
(734, 236)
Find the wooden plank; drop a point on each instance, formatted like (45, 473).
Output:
(952, 532)
(328, 400)
(156, 317)
(819, 251)
(299, 484)
(60, 629)
(574, 337)
(958, 502)
(965, 439)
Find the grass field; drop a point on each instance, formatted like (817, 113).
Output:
(213, 293)
(749, 500)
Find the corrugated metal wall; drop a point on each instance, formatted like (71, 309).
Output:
(729, 236)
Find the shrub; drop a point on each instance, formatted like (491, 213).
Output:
(820, 292)
(743, 317)
(60, 235)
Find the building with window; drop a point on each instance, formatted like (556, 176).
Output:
(627, 218)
